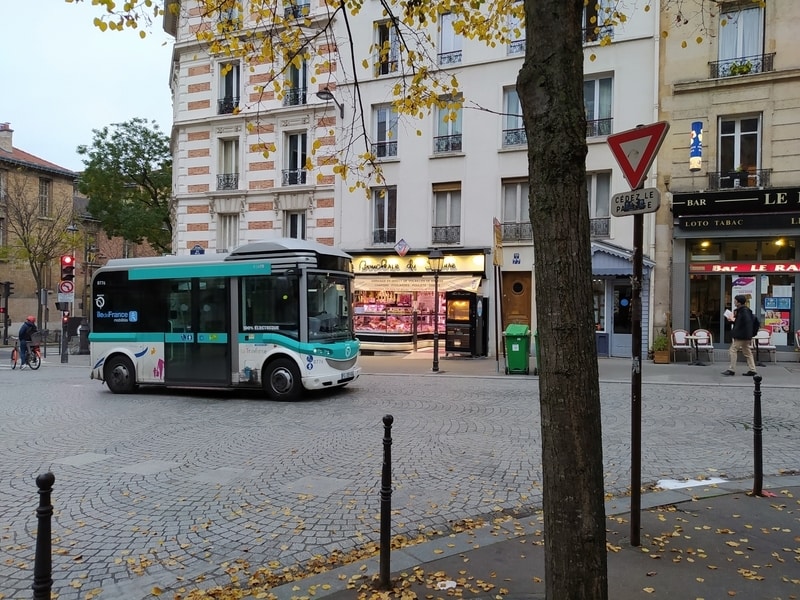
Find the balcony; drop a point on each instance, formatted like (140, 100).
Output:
(447, 143)
(293, 176)
(598, 127)
(450, 58)
(597, 33)
(386, 66)
(228, 181)
(384, 149)
(515, 137)
(384, 236)
(448, 234)
(226, 105)
(295, 96)
(752, 178)
(296, 11)
(600, 227)
(517, 232)
(745, 65)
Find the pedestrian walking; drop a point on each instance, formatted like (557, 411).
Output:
(744, 327)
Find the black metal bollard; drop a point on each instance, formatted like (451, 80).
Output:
(386, 501)
(758, 480)
(43, 567)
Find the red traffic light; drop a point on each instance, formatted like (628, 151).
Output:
(67, 260)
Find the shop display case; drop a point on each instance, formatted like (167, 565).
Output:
(381, 327)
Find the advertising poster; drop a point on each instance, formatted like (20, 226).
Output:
(745, 286)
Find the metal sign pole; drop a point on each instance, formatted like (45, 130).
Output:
(636, 381)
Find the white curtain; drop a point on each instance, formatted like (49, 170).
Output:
(742, 34)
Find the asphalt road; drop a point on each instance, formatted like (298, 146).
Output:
(171, 489)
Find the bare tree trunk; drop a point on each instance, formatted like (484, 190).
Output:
(550, 87)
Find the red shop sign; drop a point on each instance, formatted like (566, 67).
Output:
(738, 267)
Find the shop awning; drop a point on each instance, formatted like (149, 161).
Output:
(417, 284)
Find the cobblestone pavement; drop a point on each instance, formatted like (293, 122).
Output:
(169, 489)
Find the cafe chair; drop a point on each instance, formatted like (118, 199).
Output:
(763, 341)
(680, 343)
(797, 342)
(705, 342)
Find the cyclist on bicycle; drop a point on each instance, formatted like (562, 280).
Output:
(26, 330)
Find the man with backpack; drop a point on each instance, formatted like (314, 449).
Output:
(26, 330)
(744, 328)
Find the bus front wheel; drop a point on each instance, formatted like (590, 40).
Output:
(119, 375)
(282, 380)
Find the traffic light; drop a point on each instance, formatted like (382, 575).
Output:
(65, 318)
(8, 288)
(67, 267)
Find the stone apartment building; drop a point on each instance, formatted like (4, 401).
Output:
(731, 167)
(36, 201)
(444, 188)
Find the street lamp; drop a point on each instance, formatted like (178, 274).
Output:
(327, 95)
(436, 260)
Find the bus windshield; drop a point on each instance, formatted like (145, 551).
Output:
(329, 307)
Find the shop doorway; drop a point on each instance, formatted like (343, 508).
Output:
(517, 298)
(621, 319)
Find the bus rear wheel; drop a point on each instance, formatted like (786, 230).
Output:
(119, 375)
(282, 380)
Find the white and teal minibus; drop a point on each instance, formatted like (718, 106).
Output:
(274, 315)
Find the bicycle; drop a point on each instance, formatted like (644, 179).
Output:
(34, 352)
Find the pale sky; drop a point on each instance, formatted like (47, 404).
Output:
(60, 77)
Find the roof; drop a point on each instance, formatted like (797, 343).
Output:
(609, 259)
(24, 159)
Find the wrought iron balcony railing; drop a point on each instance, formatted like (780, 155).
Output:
(600, 227)
(450, 58)
(745, 65)
(295, 96)
(448, 234)
(598, 127)
(385, 149)
(447, 143)
(516, 46)
(597, 33)
(293, 176)
(517, 232)
(228, 181)
(514, 137)
(384, 236)
(296, 11)
(386, 67)
(753, 178)
(226, 105)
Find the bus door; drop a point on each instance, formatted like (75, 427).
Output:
(196, 341)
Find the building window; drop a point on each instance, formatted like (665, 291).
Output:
(516, 206)
(384, 216)
(597, 102)
(296, 84)
(388, 48)
(516, 29)
(739, 149)
(598, 192)
(449, 41)
(513, 129)
(227, 231)
(295, 225)
(741, 41)
(448, 130)
(228, 88)
(228, 174)
(3, 186)
(446, 213)
(296, 9)
(595, 16)
(45, 197)
(295, 171)
(228, 16)
(385, 131)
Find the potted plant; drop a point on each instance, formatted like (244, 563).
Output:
(661, 349)
(741, 68)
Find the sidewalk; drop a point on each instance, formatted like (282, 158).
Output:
(611, 369)
(710, 542)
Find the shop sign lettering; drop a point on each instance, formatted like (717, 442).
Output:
(740, 221)
(745, 268)
(744, 200)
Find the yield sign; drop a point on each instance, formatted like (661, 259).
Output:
(636, 149)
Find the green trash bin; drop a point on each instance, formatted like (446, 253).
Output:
(518, 344)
